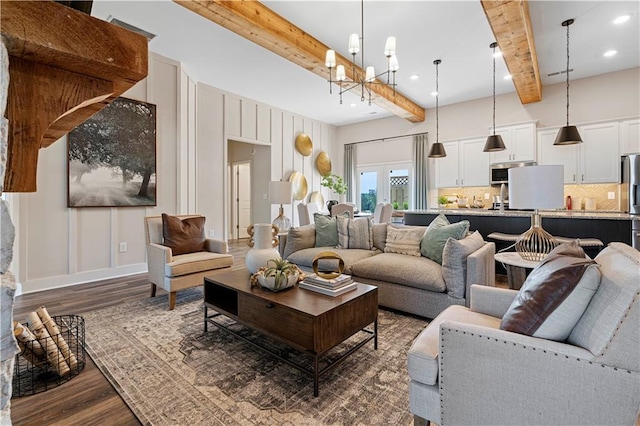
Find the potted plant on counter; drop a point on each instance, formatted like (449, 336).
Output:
(443, 201)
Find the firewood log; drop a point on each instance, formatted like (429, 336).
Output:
(54, 331)
(54, 356)
(26, 337)
(30, 356)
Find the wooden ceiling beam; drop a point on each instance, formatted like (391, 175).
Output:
(259, 24)
(511, 26)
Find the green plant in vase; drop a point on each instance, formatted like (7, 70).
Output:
(443, 201)
(336, 184)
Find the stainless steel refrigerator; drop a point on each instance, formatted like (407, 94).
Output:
(630, 193)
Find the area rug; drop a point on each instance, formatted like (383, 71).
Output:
(170, 372)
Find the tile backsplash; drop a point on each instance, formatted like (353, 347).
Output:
(599, 192)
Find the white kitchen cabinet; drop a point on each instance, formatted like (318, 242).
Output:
(474, 163)
(520, 143)
(596, 160)
(447, 167)
(630, 136)
(599, 155)
(464, 165)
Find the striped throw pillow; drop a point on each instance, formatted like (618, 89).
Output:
(355, 233)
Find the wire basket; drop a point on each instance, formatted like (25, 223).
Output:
(34, 374)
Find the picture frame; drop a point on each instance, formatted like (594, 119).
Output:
(111, 157)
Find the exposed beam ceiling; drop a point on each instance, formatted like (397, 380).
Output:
(259, 24)
(511, 26)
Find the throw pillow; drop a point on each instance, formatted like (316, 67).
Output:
(326, 230)
(435, 238)
(440, 221)
(555, 294)
(183, 235)
(355, 233)
(454, 262)
(379, 235)
(299, 238)
(404, 240)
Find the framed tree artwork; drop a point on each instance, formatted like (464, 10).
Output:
(112, 157)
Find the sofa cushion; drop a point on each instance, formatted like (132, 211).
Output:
(183, 235)
(404, 240)
(555, 294)
(432, 244)
(454, 262)
(422, 360)
(379, 235)
(355, 233)
(418, 272)
(299, 238)
(350, 256)
(326, 230)
(609, 326)
(190, 263)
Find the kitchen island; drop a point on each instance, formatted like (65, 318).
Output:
(602, 225)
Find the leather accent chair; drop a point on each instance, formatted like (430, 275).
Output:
(173, 273)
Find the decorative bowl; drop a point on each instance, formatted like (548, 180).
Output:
(270, 282)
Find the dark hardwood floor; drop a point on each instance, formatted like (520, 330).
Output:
(89, 398)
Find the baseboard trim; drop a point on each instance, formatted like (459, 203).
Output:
(50, 283)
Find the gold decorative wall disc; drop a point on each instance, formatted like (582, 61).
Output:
(323, 163)
(298, 185)
(316, 197)
(303, 144)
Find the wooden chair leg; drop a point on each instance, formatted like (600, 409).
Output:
(172, 300)
(153, 290)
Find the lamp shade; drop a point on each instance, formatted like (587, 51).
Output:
(568, 135)
(494, 143)
(536, 187)
(280, 192)
(437, 150)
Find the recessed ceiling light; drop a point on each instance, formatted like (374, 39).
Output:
(352, 105)
(434, 93)
(507, 77)
(610, 53)
(498, 53)
(621, 19)
(414, 77)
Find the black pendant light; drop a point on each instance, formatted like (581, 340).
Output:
(494, 142)
(437, 149)
(568, 135)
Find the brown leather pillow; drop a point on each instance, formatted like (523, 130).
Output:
(183, 235)
(554, 295)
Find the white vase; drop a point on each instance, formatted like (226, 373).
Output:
(264, 239)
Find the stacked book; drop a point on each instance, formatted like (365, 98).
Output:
(331, 287)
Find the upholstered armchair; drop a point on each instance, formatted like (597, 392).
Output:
(465, 369)
(172, 271)
(337, 209)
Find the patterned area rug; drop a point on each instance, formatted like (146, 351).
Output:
(170, 372)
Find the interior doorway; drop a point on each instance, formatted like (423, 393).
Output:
(240, 198)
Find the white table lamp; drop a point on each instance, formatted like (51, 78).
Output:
(280, 193)
(536, 187)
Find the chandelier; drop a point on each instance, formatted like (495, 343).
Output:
(358, 80)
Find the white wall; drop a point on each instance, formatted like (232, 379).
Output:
(608, 96)
(57, 246)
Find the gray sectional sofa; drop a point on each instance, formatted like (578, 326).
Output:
(412, 284)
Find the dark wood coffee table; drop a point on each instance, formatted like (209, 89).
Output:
(302, 319)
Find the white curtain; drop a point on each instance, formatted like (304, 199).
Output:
(421, 186)
(349, 171)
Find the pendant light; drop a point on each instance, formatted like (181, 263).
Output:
(437, 149)
(568, 135)
(494, 142)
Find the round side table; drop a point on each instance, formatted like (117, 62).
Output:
(516, 267)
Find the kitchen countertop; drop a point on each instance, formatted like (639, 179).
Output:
(568, 214)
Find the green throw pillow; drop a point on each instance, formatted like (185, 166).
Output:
(434, 239)
(326, 230)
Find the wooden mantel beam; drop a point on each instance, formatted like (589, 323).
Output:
(259, 24)
(511, 26)
(64, 66)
